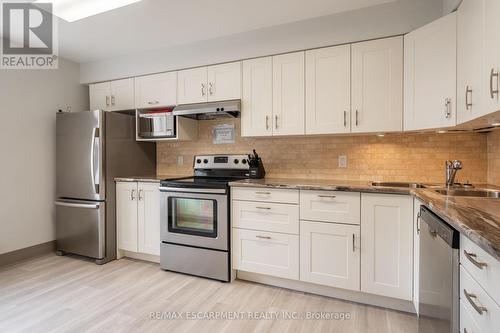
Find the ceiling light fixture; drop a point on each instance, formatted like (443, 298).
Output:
(495, 124)
(74, 10)
(441, 132)
(381, 135)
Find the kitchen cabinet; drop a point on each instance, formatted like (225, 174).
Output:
(330, 254)
(138, 217)
(377, 85)
(430, 75)
(257, 97)
(207, 84)
(288, 94)
(267, 253)
(416, 251)
(491, 69)
(285, 196)
(387, 245)
(470, 49)
(328, 90)
(153, 91)
(112, 96)
(330, 206)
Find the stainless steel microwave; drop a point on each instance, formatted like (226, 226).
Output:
(154, 124)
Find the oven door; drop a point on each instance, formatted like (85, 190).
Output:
(195, 219)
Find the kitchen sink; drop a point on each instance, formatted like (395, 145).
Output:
(398, 184)
(470, 193)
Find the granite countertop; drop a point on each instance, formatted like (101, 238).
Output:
(147, 179)
(477, 218)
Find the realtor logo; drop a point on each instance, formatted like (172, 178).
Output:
(28, 36)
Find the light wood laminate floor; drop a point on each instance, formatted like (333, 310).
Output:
(67, 294)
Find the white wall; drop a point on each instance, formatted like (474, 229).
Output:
(379, 21)
(29, 100)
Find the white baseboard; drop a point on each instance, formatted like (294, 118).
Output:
(348, 295)
(138, 256)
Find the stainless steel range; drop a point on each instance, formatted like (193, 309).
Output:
(195, 230)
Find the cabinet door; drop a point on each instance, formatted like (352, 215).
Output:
(192, 86)
(288, 94)
(329, 254)
(330, 206)
(377, 85)
(431, 75)
(224, 82)
(387, 245)
(491, 69)
(100, 96)
(470, 20)
(416, 251)
(257, 99)
(126, 216)
(266, 253)
(328, 90)
(149, 219)
(158, 90)
(122, 95)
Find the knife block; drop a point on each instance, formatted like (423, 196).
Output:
(257, 172)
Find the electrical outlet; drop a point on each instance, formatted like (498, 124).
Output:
(180, 160)
(342, 161)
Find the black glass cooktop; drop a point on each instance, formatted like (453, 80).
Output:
(201, 182)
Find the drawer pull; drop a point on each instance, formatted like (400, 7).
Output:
(471, 257)
(327, 196)
(264, 193)
(263, 237)
(470, 298)
(266, 208)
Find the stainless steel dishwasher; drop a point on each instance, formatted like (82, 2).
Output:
(439, 275)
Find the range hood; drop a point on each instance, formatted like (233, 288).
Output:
(210, 110)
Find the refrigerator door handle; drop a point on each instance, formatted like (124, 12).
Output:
(94, 160)
(77, 205)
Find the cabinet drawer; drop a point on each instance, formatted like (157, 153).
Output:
(481, 307)
(266, 253)
(330, 206)
(265, 194)
(467, 325)
(272, 217)
(482, 267)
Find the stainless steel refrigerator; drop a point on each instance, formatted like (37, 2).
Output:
(92, 148)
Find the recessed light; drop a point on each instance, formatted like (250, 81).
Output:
(381, 135)
(495, 124)
(441, 132)
(74, 10)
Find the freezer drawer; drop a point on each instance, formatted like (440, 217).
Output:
(80, 227)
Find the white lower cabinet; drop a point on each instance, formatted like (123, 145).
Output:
(138, 217)
(330, 254)
(272, 217)
(387, 245)
(416, 251)
(267, 253)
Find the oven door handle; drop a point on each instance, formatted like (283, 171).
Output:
(193, 190)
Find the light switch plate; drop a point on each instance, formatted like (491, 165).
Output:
(342, 161)
(180, 160)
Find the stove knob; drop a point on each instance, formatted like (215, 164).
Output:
(205, 161)
(244, 161)
(236, 161)
(198, 161)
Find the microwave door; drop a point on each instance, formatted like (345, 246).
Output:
(79, 155)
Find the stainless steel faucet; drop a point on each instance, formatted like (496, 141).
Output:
(451, 171)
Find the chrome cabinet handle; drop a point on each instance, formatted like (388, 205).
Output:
(418, 223)
(211, 88)
(266, 208)
(263, 237)
(471, 297)
(472, 258)
(153, 102)
(276, 121)
(353, 243)
(113, 100)
(107, 100)
(357, 117)
(447, 105)
(345, 118)
(132, 196)
(265, 193)
(467, 103)
(326, 196)
(203, 89)
(141, 196)
(492, 75)
(267, 122)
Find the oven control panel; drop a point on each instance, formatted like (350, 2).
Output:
(238, 162)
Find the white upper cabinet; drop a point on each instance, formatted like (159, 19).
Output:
(288, 94)
(158, 90)
(377, 85)
(430, 73)
(328, 90)
(112, 96)
(192, 86)
(207, 84)
(257, 98)
(490, 74)
(387, 245)
(224, 82)
(470, 48)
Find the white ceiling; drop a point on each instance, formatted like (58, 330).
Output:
(158, 24)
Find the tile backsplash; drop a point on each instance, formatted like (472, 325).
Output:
(395, 157)
(494, 158)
